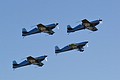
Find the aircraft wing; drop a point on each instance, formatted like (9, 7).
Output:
(50, 32)
(32, 60)
(92, 28)
(40, 64)
(40, 25)
(85, 21)
(45, 29)
(88, 25)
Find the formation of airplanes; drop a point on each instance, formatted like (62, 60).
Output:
(90, 25)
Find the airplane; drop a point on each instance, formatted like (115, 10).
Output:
(30, 60)
(40, 28)
(78, 46)
(85, 25)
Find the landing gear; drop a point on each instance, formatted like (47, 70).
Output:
(81, 50)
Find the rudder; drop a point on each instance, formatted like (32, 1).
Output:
(69, 27)
(24, 30)
(15, 64)
(57, 49)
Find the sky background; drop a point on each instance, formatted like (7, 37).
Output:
(100, 61)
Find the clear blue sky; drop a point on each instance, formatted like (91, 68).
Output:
(100, 61)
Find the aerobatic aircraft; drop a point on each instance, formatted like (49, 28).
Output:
(40, 28)
(85, 25)
(78, 46)
(30, 60)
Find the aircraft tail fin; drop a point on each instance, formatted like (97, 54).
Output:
(69, 28)
(14, 64)
(24, 32)
(57, 49)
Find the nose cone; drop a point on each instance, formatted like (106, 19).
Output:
(85, 42)
(45, 55)
(100, 19)
(56, 23)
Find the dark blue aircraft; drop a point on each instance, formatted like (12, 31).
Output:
(85, 25)
(78, 46)
(30, 60)
(40, 28)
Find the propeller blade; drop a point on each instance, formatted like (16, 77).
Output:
(87, 45)
(101, 22)
(46, 59)
(58, 27)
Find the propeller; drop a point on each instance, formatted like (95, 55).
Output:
(58, 27)
(46, 59)
(100, 21)
(87, 45)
